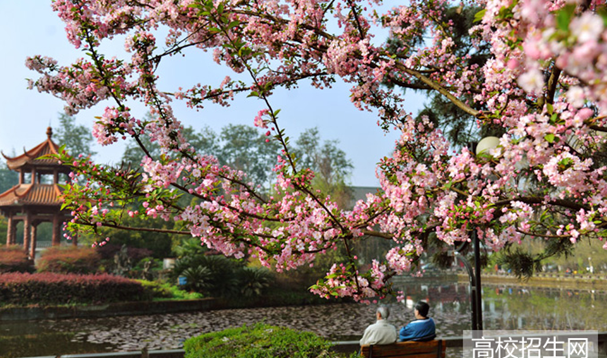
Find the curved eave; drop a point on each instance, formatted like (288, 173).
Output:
(32, 194)
(31, 156)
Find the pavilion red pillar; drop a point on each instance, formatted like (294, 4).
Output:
(27, 232)
(34, 230)
(10, 232)
(56, 240)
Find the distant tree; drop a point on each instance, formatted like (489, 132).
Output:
(8, 178)
(76, 137)
(244, 148)
(159, 241)
(329, 163)
(325, 159)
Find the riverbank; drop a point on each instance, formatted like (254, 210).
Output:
(107, 310)
(545, 280)
(138, 308)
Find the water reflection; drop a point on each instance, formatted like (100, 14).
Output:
(513, 307)
(27, 339)
(539, 309)
(504, 307)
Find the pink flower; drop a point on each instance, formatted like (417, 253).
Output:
(575, 96)
(587, 27)
(532, 81)
(259, 122)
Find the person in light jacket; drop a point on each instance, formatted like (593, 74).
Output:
(381, 332)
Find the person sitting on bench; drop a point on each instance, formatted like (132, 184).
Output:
(422, 329)
(381, 332)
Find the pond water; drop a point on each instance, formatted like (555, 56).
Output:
(504, 307)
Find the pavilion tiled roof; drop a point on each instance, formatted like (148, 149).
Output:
(31, 194)
(32, 156)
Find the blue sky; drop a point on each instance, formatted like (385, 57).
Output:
(30, 28)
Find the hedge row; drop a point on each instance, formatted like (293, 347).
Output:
(70, 259)
(51, 289)
(14, 259)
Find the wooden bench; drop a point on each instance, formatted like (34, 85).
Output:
(431, 349)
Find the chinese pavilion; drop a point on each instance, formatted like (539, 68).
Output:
(36, 200)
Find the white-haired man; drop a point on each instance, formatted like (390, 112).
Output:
(381, 332)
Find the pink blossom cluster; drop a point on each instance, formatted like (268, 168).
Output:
(542, 84)
(114, 121)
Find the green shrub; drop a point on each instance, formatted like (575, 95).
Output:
(155, 264)
(254, 281)
(212, 275)
(14, 259)
(259, 341)
(160, 291)
(217, 275)
(70, 259)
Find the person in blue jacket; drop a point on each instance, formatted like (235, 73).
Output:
(422, 329)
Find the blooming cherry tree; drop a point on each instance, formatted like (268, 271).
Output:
(543, 83)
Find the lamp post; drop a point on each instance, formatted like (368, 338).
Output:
(474, 275)
(476, 297)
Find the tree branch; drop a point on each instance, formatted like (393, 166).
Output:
(534, 200)
(130, 228)
(550, 87)
(358, 25)
(378, 234)
(442, 90)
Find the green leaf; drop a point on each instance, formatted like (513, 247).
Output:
(549, 138)
(505, 13)
(602, 11)
(563, 17)
(479, 15)
(550, 108)
(233, 24)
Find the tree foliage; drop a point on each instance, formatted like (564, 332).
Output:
(76, 138)
(244, 148)
(532, 69)
(326, 160)
(8, 178)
